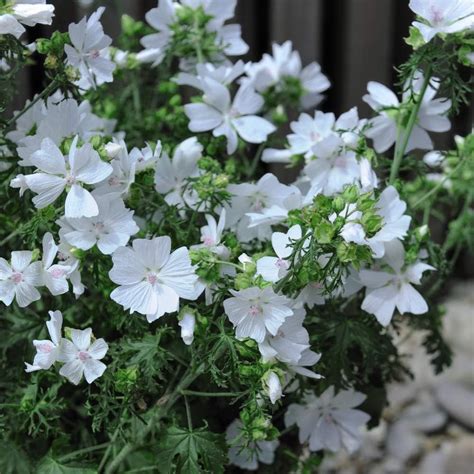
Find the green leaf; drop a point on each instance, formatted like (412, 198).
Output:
(48, 465)
(192, 451)
(13, 460)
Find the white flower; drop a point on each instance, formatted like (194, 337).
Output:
(171, 176)
(333, 168)
(224, 74)
(330, 421)
(47, 351)
(442, 16)
(56, 172)
(434, 159)
(285, 62)
(273, 387)
(122, 175)
(54, 275)
(211, 235)
(248, 456)
(187, 324)
(81, 357)
(66, 256)
(274, 268)
(395, 223)
(89, 52)
(151, 279)
(256, 312)
(387, 290)
(229, 119)
(20, 279)
(254, 199)
(310, 131)
(25, 12)
(147, 157)
(431, 116)
(287, 345)
(109, 230)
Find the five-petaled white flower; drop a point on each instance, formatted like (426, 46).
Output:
(329, 421)
(58, 172)
(248, 456)
(151, 278)
(387, 290)
(442, 16)
(47, 351)
(229, 118)
(431, 116)
(284, 63)
(256, 312)
(110, 229)
(89, 52)
(81, 357)
(25, 12)
(20, 279)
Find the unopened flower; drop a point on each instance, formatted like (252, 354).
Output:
(273, 386)
(187, 324)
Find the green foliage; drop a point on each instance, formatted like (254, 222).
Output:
(191, 451)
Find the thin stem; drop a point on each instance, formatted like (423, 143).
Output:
(46, 92)
(10, 236)
(209, 394)
(188, 413)
(438, 185)
(256, 160)
(404, 136)
(79, 452)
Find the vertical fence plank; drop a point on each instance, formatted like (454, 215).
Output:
(367, 52)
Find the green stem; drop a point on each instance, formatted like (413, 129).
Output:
(46, 93)
(256, 160)
(188, 413)
(404, 135)
(10, 236)
(438, 185)
(209, 394)
(79, 452)
(163, 407)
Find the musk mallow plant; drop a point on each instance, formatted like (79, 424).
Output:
(179, 307)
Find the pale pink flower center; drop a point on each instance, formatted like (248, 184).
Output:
(328, 418)
(437, 16)
(152, 278)
(280, 263)
(94, 54)
(208, 241)
(255, 310)
(57, 273)
(17, 277)
(340, 162)
(315, 136)
(99, 226)
(44, 348)
(114, 181)
(70, 180)
(83, 356)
